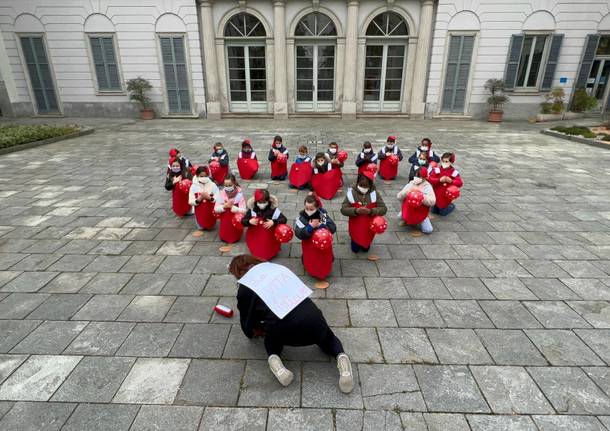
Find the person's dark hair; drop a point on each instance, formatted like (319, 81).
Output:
(360, 176)
(203, 169)
(320, 155)
(303, 148)
(333, 144)
(233, 179)
(367, 144)
(446, 156)
(277, 138)
(426, 140)
(311, 199)
(217, 144)
(242, 264)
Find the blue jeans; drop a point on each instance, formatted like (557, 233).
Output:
(357, 247)
(443, 211)
(426, 226)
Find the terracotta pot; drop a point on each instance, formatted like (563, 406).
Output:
(147, 114)
(495, 116)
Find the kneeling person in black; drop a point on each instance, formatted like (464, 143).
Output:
(303, 326)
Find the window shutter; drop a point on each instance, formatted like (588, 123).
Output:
(512, 62)
(105, 64)
(176, 76)
(587, 61)
(551, 64)
(39, 73)
(458, 69)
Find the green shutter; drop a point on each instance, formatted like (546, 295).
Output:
(176, 75)
(105, 64)
(39, 73)
(587, 61)
(457, 73)
(512, 62)
(551, 64)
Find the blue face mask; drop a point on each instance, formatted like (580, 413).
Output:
(421, 162)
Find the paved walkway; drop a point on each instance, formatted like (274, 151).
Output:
(499, 320)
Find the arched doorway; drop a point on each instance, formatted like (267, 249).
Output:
(385, 62)
(244, 36)
(315, 53)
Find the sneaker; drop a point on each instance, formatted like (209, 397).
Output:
(346, 378)
(283, 375)
(402, 223)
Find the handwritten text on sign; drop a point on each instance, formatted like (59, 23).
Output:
(277, 286)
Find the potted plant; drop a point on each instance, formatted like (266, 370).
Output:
(553, 105)
(496, 99)
(138, 89)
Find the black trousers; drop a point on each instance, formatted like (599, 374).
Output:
(328, 343)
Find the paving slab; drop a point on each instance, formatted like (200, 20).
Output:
(100, 338)
(562, 347)
(212, 382)
(406, 345)
(390, 387)
(89, 417)
(229, 419)
(13, 331)
(150, 340)
(176, 418)
(51, 337)
(28, 416)
(300, 420)
(259, 388)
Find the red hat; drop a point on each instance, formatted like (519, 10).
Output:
(370, 175)
(259, 195)
(391, 138)
(173, 152)
(246, 142)
(423, 172)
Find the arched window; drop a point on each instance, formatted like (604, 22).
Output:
(315, 36)
(244, 25)
(386, 51)
(245, 43)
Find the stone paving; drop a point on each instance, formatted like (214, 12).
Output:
(499, 320)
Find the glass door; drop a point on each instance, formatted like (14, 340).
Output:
(598, 80)
(383, 75)
(315, 73)
(247, 78)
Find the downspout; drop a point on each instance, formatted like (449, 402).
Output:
(204, 71)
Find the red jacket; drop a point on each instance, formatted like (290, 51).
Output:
(439, 188)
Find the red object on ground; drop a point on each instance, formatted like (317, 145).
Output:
(223, 310)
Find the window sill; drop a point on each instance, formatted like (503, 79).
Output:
(110, 93)
(528, 92)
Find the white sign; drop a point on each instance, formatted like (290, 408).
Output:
(277, 286)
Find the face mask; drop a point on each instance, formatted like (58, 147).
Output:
(229, 189)
(363, 190)
(247, 150)
(424, 148)
(261, 205)
(421, 162)
(332, 150)
(320, 163)
(390, 145)
(204, 180)
(368, 150)
(218, 151)
(445, 165)
(176, 169)
(302, 156)
(417, 180)
(310, 212)
(277, 145)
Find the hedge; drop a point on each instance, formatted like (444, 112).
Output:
(11, 136)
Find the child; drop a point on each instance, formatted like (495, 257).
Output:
(300, 171)
(247, 163)
(418, 215)
(202, 195)
(325, 180)
(222, 157)
(303, 326)
(318, 263)
(278, 156)
(260, 219)
(388, 170)
(366, 157)
(332, 155)
(180, 201)
(230, 201)
(184, 162)
(361, 204)
(441, 178)
(424, 147)
(421, 162)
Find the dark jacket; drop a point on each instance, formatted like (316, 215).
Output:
(382, 153)
(270, 213)
(348, 210)
(302, 228)
(223, 157)
(169, 178)
(327, 166)
(282, 150)
(364, 158)
(431, 157)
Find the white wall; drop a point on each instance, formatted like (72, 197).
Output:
(499, 19)
(134, 21)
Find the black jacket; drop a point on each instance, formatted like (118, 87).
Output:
(223, 157)
(270, 213)
(382, 153)
(364, 158)
(303, 230)
(272, 155)
(169, 178)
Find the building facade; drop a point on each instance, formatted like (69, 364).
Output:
(343, 58)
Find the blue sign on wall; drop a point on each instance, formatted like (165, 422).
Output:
(563, 80)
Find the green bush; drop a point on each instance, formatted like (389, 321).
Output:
(582, 101)
(575, 130)
(606, 138)
(553, 102)
(18, 135)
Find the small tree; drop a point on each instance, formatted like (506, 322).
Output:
(138, 89)
(553, 101)
(497, 98)
(582, 102)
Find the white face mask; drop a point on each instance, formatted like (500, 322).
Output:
(176, 169)
(277, 145)
(368, 150)
(310, 212)
(320, 163)
(229, 189)
(390, 145)
(204, 180)
(363, 190)
(332, 150)
(424, 148)
(445, 165)
(261, 205)
(417, 180)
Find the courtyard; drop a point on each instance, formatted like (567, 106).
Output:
(498, 320)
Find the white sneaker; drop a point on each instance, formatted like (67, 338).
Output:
(346, 378)
(283, 374)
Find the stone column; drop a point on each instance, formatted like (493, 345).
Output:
(280, 107)
(351, 60)
(211, 65)
(422, 58)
